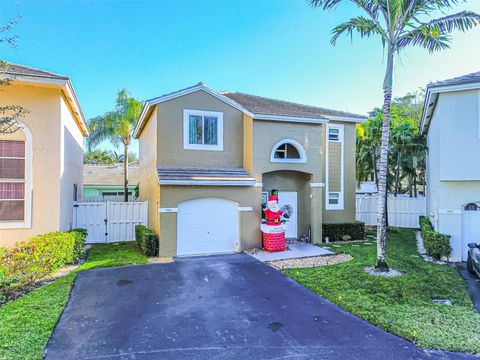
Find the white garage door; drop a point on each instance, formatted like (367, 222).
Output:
(207, 226)
(470, 227)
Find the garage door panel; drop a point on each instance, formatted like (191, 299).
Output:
(207, 226)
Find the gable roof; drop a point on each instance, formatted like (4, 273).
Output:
(459, 83)
(20, 70)
(109, 175)
(28, 74)
(257, 107)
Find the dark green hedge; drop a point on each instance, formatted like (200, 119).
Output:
(31, 261)
(147, 240)
(344, 231)
(436, 244)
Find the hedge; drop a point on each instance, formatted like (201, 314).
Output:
(344, 231)
(30, 261)
(436, 244)
(147, 240)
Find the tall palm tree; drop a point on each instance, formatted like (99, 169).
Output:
(117, 126)
(398, 24)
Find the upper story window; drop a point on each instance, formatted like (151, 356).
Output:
(333, 134)
(15, 179)
(202, 130)
(289, 151)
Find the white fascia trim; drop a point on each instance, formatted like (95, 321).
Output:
(68, 88)
(258, 184)
(297, 119)
(438, 90)
(478, 120)
(317, 184)
(168, 210)
(245, 208)
(207, 183)
(346, 118)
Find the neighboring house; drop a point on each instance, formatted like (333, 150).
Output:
(451, 120)
(106, 182)
(41, 163)
(207, 158)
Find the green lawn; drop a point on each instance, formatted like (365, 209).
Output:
(401, 305)
(27, 323)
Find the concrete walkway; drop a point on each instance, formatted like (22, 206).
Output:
(294, 251)
(217, 307)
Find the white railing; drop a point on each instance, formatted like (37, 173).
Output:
(110, 221)
(402, 211)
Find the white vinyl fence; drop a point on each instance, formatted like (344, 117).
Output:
(110, 221)
(402, 211)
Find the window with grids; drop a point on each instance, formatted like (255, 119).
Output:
(12, 180)
(203, 130)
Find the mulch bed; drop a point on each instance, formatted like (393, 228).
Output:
(307, 262)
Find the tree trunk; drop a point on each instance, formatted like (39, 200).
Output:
(125, 172)
(375, 171)
(397, 175)
(415, 183)
(381, 264)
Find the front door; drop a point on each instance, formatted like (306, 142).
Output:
(290, 198)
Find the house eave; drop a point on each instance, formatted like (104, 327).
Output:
(207, 183)
(431, 98)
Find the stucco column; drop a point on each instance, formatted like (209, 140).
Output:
(316, 211)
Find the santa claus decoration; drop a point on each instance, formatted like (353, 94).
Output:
(274, 227)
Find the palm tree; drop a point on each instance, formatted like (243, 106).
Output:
(398, 24)
(117, 126)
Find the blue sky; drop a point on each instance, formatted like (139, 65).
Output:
(276, 48)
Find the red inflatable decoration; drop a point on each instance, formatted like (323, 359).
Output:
(273, 230)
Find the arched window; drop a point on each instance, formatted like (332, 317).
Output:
(472, 207)
(289, 151)
(16, 179)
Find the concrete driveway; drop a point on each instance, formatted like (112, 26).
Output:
(218, 307)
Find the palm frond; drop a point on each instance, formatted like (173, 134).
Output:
(462, 21)
(429, 39)
(365, 27)
(325, 4)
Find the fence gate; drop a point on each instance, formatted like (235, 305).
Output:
(110, 221)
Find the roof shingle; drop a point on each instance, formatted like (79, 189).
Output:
(267, 106)
(109, 174)
(20, 70)
(464, 79)
(168, 174)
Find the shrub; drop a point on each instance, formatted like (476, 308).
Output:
(147, 240)
(436, 244)
(80, 238)
(28, 262)
(344, 231)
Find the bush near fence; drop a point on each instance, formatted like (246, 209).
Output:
(147, 240)
(31, 261)
(344, 231)
(436, 244)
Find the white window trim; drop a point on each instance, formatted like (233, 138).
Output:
(298, 146)
(340, 205)
(27, 222)
(186, 123)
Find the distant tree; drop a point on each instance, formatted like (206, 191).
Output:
(117, 126)
(398, 24)
(98, 157)
(9, 114)
(407, 148)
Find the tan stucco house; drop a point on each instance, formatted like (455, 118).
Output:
(207, 159)
(41, 163)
